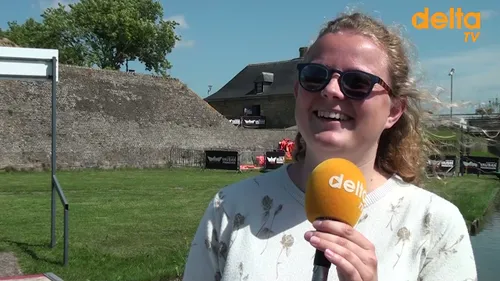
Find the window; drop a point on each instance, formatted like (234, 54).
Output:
(259, 87)
(256, 110)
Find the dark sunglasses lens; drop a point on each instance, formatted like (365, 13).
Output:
(356, 84)
(313, 77)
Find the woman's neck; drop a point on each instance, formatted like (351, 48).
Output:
(299, 173)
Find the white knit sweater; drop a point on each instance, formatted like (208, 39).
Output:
(253, 230)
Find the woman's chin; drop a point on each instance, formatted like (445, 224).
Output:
(331, 140)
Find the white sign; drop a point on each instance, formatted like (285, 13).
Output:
(28, 63)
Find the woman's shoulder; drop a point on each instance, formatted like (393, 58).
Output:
(263, 182)
(443, 213)
(443, 233)
(252, 190)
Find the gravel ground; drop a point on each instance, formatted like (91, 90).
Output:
(9, 265)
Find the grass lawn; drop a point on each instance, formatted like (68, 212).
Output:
(469, 193)
(124, 224)
(136, 224)
(483, 154)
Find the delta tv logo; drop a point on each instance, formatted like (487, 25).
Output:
(455, 18)
(349, 186)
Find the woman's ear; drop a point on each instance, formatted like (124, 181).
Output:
(397, 109)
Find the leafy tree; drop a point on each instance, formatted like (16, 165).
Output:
(485, 110)
(104, 33)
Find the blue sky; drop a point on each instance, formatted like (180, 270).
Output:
(220, 37)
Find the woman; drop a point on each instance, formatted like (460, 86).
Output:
(354, 100)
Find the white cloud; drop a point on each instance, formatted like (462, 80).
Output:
(180, 19)
(485, 14)
(476, 77)
(184, 44)
(488, 14)
(44, 4)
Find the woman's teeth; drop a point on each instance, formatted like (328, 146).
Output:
(332, 115)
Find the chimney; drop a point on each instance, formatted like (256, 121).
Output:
(302, 51)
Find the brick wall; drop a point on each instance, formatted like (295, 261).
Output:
(111, 119)
(279, 110)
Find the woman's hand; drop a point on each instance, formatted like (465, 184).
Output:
(352, 254)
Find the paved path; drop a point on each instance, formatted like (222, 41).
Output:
(39, 277)
(9, 265)
(10, 270)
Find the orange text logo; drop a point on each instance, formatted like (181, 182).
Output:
(454, 19)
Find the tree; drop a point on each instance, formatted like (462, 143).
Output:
(103, 33)
(484, 110)
(489, 110)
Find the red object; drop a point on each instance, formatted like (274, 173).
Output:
(287, 145)
(261, 160)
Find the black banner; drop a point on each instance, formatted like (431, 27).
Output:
(275, 159)
(235, 120)
(441, 164)
(475, 164)
(221, 160)
(253, 121)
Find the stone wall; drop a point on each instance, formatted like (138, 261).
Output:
(110, 119)
(279, 110)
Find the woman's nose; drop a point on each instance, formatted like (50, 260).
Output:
(332, 90)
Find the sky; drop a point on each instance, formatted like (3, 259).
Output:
(221, 37)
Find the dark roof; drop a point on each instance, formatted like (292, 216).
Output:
(283, 75)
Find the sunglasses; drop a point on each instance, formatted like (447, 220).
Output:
(354, 84)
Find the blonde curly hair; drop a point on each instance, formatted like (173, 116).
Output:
(402, 148)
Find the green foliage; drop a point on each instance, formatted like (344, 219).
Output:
(102, 33)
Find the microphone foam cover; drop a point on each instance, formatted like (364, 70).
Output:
(336, 191)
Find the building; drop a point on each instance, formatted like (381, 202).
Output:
(260, 95)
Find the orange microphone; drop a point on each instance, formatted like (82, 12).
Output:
(335, 191)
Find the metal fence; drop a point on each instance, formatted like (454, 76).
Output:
(182, 157)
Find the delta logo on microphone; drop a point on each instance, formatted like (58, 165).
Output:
(357, 188)
(335, 191)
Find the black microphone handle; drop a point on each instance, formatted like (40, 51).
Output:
(321, 263)
(321, 267)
